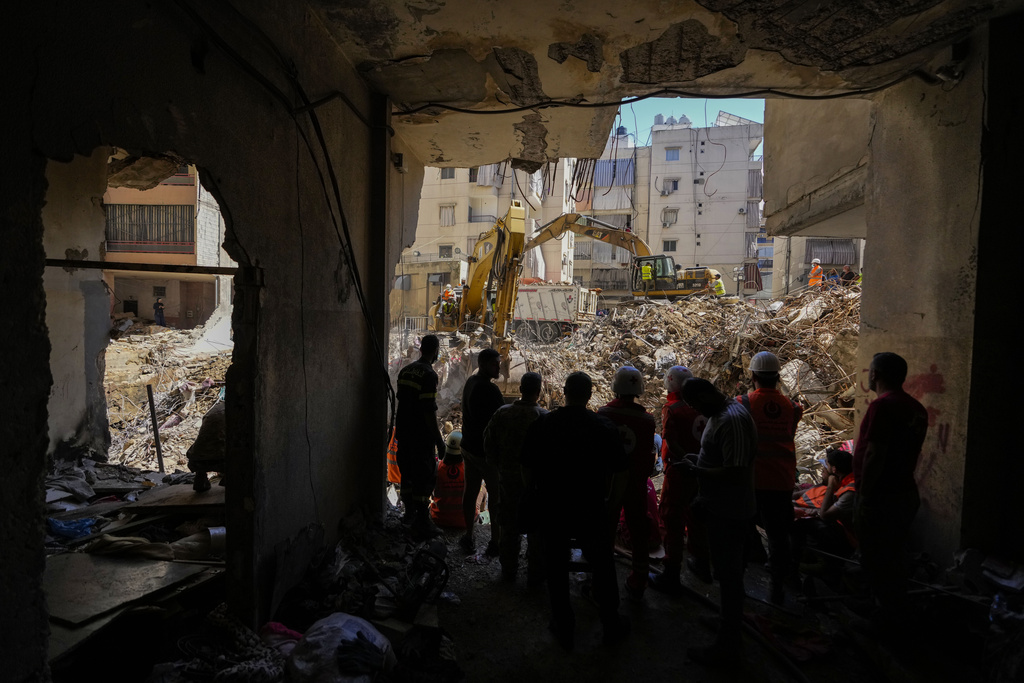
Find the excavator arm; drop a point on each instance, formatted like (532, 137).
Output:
(587, 226)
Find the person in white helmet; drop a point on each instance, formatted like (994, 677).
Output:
(636, 427)
(681, 428)
(817, 274)
(776, 418)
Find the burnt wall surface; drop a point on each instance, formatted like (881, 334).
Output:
(306, 402)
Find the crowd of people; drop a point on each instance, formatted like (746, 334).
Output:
(729, 466)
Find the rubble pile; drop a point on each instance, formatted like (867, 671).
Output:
(185, 386)
(814, 334)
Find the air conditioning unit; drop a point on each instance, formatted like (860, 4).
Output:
(665, 193)
(698, 181)
(743, 210)
(665, 224)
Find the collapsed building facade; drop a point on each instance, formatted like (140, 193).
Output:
(311, 124)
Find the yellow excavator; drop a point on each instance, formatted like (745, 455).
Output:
(488, 299)
(666, 281)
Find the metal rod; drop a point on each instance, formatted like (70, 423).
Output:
(145, 267)
(156, 428)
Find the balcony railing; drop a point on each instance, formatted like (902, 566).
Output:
(144, 247)
(483, 218)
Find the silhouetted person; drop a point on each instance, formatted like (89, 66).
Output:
(725, 470)
(480, 399)
(418, 437)
(636, 427)
(503, 443)
(892, 432)
(577, 441)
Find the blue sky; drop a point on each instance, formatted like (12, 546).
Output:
(639, 116)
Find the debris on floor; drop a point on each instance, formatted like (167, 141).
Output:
(186, 384)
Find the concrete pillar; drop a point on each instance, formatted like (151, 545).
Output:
(924, 194)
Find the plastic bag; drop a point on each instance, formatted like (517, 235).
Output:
(340, 648)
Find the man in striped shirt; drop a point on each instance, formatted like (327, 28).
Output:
(725, 471)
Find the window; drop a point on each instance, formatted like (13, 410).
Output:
(151, 228)
(159, 291)
(668, 245)
(669, 217)
(440, 279)
(446, 215)
(471, 245)
(671, 184)
(403, 282)
(473, 174)
(671, 154)
(447, 173)
(444, 251)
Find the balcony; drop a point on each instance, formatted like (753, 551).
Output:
(149, 247)
(483, 218)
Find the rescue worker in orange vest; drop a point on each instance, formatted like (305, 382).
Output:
(446, 505)
(825, 513)
(503, 446)
(776, 418)
(681, 429)
(817, 274)
(636, 427)
(447, 302)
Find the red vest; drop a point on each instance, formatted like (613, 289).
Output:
(394, 475)
(776, 418)
(446, 506)
(636, 427)
(682, 425)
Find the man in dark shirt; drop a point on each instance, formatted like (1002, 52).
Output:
(892, 432)
(480, 399)
(725, 470)
(418, 436)
(848, 277)
(158, 312)
(574, 439)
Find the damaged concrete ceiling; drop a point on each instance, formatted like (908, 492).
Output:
(493, 55)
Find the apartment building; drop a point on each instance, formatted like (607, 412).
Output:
(177, 222)
(705, 196)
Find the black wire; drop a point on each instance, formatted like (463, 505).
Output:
(302, 330)
(546, 104)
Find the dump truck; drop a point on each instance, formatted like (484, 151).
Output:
(547, 312)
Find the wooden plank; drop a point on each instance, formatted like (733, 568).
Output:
(96, 510)
(179, 498)
(80, 587)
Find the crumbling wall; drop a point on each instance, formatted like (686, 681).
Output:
(77, 303)
(920, 290)
(306, 405)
